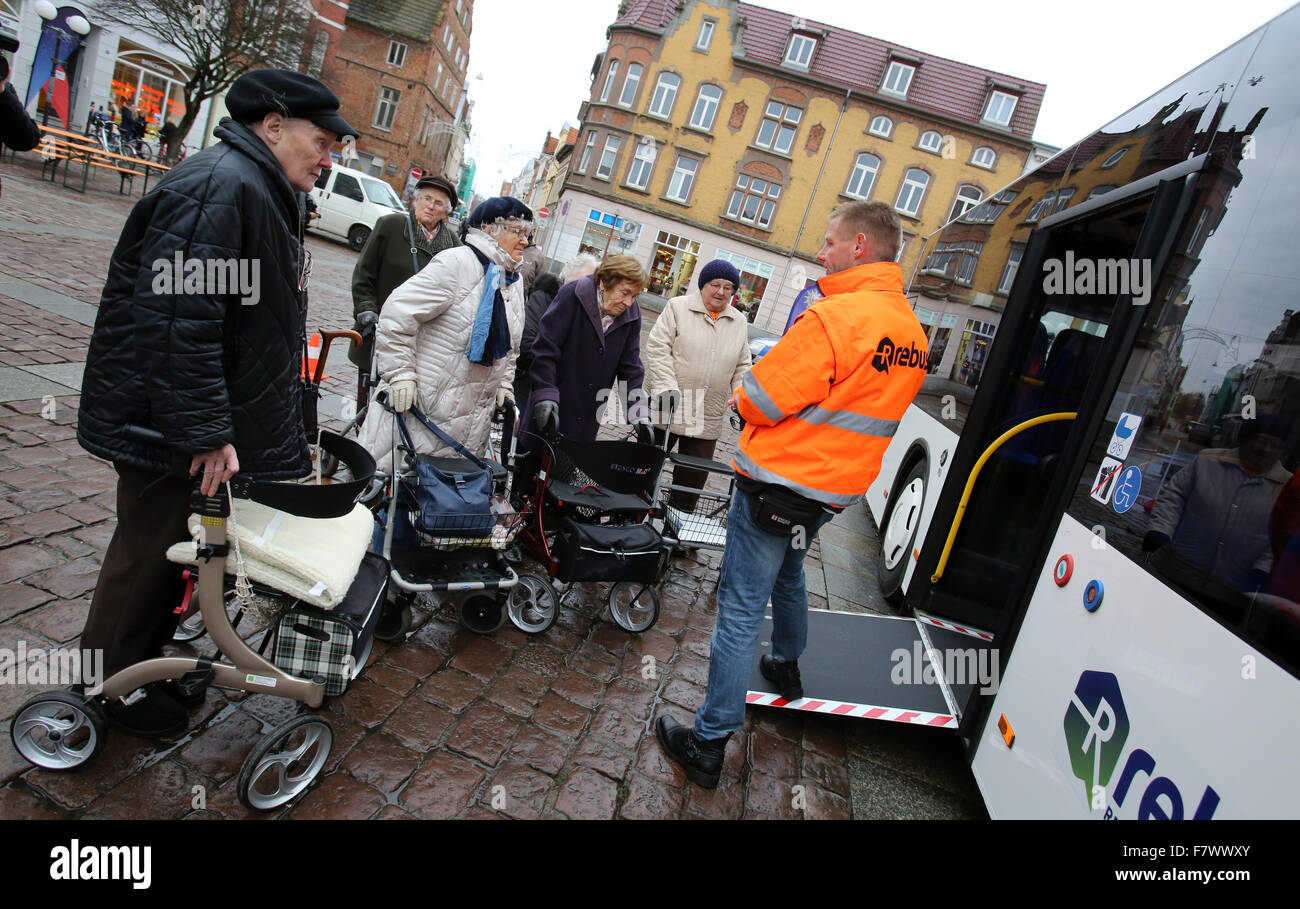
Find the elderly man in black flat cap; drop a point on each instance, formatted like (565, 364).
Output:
(400, 245)
(200, 332)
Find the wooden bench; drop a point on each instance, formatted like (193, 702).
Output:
(59, 146)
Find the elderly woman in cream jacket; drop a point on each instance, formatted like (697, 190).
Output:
(696, 355)
(447, 339)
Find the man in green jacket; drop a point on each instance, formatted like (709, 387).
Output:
(386, 261)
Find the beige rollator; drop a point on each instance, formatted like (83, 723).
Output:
(61, 730)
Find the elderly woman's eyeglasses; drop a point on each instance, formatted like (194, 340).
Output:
(520, 232)
(725, 286)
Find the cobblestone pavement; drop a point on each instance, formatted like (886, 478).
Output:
(448, 724)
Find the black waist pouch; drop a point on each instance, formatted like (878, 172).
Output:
(778, 510)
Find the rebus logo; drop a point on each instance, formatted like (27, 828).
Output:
(888, 354)
(1096, 731)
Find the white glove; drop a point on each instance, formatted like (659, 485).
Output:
(402, 395)
(503, 398)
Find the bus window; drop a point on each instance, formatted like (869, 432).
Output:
(1191, 474)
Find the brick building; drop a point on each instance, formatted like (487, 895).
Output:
(718, 129)
(399, 71)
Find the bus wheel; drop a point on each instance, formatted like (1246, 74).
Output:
(898, 535)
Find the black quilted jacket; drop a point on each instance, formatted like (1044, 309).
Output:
(202, 367)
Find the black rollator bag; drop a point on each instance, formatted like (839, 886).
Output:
(605, 552)
(781, 511)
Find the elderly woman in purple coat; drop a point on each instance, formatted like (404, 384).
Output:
(589, 337)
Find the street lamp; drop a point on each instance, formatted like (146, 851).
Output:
(65, 23)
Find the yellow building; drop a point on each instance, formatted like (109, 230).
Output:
(726, 130)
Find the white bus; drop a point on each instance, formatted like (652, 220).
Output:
(1092, 503)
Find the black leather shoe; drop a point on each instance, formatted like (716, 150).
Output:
(155, 715)
(700, 758)
(784, 675)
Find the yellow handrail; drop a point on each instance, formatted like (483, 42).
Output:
(974, 475)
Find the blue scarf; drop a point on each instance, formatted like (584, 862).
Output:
(490, 340)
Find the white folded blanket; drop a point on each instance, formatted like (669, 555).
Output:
(312, 559)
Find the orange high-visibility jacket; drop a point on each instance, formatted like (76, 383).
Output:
(822, 405)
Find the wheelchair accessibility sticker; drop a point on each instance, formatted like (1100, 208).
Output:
(1126, 489)
(1104, 485)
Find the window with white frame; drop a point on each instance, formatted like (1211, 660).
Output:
(396, 53)
(800, 50)
(386, 110)
(912, 191)
(643, 162)
(964, 254)
(1001, 107)
(705, 38)
(968, 197)
(586, 153)
(898, 78)
(930, 141)
(609, 81)
(987, 211)
(754, 201)
(1050, 204)
(606, 165)
(683, 180)
(630, 84)
(984, 157)
(665, 95)
(882, 126)
(706, 107)
(1009, 270)
(779, 126)
(863, 177)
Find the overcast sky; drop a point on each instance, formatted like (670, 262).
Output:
(1097, 59)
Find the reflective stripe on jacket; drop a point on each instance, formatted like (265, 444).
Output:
(822, 405)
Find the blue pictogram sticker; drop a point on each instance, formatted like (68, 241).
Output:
(1127, 489)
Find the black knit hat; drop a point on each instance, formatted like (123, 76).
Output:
(718, 269)
(498, 208)
(262, 91)
(438, 182)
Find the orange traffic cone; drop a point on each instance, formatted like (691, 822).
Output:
(313, 356)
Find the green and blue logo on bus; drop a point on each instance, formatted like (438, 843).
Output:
(1096, 730)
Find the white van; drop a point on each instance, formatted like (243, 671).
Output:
(350, 202)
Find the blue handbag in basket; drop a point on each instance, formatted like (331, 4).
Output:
(448, 503)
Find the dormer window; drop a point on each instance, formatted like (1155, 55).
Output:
(898, 79)
(1000, 108)
(799, 53)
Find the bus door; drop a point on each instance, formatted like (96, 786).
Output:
(1071, 312)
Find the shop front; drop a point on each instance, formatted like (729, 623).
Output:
(152, 86)
(672, 264)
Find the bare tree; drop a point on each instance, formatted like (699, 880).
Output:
(219, 40)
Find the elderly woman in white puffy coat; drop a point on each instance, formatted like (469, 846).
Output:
(447, 339)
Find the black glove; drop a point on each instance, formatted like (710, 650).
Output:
(546, 415)
(1154, 540)
(645, 433)
(668, 403)
(367, 319)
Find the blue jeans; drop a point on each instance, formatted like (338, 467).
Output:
(756, 565)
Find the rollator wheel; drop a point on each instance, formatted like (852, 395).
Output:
(189, 628)
(285, 763)
(532, 604)
(482, 613)
(634, 606)
(59, 730)
(395, 620)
